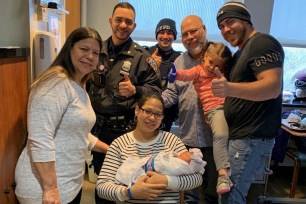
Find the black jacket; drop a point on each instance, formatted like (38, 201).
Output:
(167, 58)
(103, 90)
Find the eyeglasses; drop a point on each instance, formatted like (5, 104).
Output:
(149, 113)
(127, 21)
(191, 32)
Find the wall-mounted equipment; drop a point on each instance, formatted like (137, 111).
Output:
(45, 51)
(49, 6)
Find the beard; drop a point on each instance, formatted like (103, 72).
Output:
(240, 36)
(201, 42)
(121, 35)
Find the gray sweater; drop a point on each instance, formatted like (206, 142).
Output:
(192, 131)
(60, 118)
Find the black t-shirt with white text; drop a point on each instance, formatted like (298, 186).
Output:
(254, 119)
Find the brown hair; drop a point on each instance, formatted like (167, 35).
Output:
(62, 66)
(124, 5)
(220, 50)
(146, 96)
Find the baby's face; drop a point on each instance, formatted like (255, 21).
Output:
(185, 156)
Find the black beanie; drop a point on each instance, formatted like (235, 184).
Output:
(166, 24)
(233, 9)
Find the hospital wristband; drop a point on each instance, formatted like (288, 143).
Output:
(129, 193)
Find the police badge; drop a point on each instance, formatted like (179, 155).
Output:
(125, 69)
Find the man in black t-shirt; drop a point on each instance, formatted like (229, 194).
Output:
(253, 101)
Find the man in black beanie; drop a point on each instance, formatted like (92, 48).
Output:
(234, 10)
(166, 24)
(253, 103)
(164, 54)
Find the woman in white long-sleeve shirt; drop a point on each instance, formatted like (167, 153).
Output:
(51, 166)
(145, 140)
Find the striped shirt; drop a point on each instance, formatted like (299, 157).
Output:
(125, 146)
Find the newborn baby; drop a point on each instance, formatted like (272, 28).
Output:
(166, 163)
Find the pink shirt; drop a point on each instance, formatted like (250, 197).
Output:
(202, 85)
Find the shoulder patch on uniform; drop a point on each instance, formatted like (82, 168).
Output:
(152, 63)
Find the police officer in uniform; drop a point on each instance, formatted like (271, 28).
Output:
(164, 54)
(126, 72)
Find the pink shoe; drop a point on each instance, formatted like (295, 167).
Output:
(268, 171)
(224, 184)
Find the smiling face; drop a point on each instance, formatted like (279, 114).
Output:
(165, 39)
(234, 31)
(84, 57)
(193, 35)
(123, 24)
(212, 61)
(147, 116)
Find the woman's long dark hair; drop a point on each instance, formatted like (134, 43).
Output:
(62, 65)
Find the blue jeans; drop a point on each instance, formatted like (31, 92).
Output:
(247, 160)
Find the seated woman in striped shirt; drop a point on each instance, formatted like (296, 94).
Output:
(145, 140)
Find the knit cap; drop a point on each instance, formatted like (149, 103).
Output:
(166, 24)
(233, 9)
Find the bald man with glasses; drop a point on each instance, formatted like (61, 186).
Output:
(193, 132)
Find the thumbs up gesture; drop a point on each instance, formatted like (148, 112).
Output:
(218, 74)
(157, 58)
(126, 88)
(172, 73)
(219, 85)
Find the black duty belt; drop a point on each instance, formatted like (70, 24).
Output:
(116, 122)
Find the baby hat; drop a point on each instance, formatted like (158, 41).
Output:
(166, 24)
(197, 163)
(233, 9)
